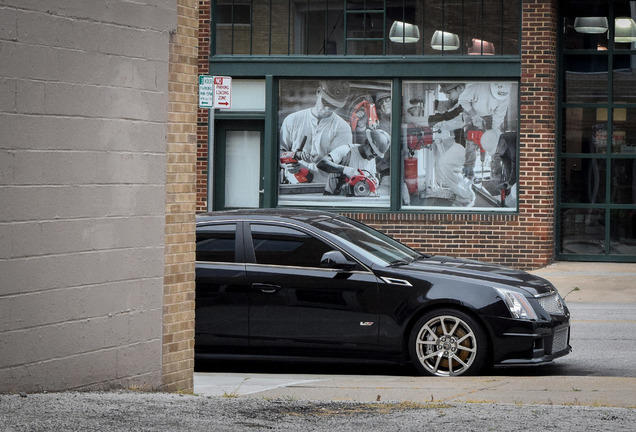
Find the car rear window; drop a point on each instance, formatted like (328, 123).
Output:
(216, 243)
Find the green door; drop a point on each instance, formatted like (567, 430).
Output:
(238, 164)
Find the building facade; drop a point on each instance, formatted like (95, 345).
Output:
(497, 115)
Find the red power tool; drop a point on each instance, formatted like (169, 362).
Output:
(369, 111)
(361, 185)
(291, 157)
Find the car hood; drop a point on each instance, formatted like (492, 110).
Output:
(478, 271)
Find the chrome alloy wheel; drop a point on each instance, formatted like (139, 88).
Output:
(446, 345)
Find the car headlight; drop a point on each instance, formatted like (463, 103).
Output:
(517, 304)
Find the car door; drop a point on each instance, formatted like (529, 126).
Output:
(221, 313)
(297, 304)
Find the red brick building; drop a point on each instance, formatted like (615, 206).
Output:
(544, 184)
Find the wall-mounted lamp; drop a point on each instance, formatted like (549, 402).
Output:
(480, 47)
(624, 30)
(592, 25)
(444, 41)
(402, 32)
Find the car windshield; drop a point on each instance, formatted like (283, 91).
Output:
(381, 249)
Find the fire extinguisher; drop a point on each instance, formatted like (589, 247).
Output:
(417, 138)
(410, 174)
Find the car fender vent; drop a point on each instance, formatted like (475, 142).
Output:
(394, 281)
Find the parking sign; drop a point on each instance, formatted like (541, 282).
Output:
(222, 92)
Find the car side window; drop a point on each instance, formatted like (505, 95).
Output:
(217, 243)
(287, 246)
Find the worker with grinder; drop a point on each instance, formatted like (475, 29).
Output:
(354, 159)
(318, 129)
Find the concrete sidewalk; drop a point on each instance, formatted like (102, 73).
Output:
(526, 390)
(592, 282)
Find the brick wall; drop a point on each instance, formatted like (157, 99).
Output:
(524, 240)
(202, 114)
(178, 317)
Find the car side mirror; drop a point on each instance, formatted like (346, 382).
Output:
(336, 260)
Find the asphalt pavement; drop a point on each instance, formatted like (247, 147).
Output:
(247, 400)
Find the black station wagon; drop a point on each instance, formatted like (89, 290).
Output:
(283, 283)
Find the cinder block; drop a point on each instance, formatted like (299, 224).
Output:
(28, 132)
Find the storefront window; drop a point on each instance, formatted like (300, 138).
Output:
(598, 134)
(459, 145)
(367, 27)
(335, 143)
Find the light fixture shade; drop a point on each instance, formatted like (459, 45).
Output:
(480, 47)
(444, 41)
(593, 25)
(402, 32)
(624, 30)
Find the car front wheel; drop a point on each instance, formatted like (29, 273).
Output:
(447, 342)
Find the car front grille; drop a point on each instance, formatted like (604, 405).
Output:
(560, 340)
(552, 304)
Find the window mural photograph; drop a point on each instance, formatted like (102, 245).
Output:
(335, 139)
(459, 145)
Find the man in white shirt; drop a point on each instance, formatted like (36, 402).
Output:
(324, 130)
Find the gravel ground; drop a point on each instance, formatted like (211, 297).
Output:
(139, 411)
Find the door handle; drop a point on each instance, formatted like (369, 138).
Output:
(266, 288)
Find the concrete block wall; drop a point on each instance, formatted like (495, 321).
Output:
(83, 114)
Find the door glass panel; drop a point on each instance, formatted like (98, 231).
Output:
(624, 25)
(242, 168)
(585, 130)
(585, 24)
(623, 232)
(624, 78)
(623, 181)
(624, 131)
(583, 180)
(585, 78)
(286, 246)
(583, 231)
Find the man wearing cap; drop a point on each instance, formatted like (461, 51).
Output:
(485, 106)
(448, 116)
(347, 160)
(323, 130)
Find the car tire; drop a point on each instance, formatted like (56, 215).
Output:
(448, 342)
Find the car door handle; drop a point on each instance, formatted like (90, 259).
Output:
(266, 288)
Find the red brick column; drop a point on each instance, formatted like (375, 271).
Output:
(537, 159)
(205, 15)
